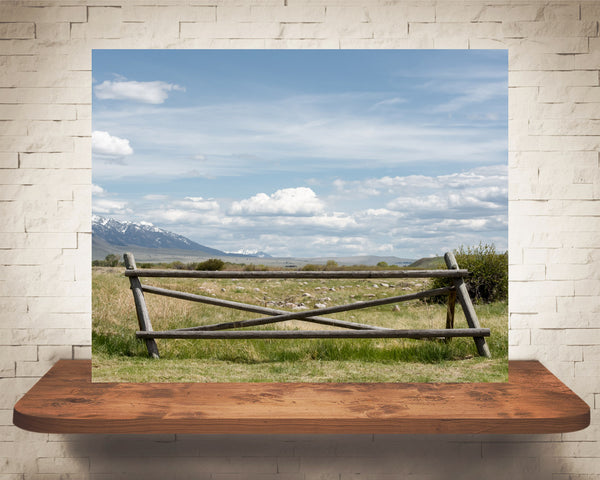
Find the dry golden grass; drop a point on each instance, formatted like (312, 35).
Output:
(119, 356)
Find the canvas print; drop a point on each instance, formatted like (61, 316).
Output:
(300, 216)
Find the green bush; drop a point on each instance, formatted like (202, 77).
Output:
(311, 267)
(488, 273)
(110, 260)
(211, 264)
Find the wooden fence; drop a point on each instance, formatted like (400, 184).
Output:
(351, 329)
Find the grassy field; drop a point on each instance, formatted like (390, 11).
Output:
(119, 356)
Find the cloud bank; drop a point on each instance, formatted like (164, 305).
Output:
(144, 92)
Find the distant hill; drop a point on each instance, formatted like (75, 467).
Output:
(429, 263)
(116, 233)
(362, 260)
(153, 244)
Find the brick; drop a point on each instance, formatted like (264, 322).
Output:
(44, 320)
(11, 389)
(447, 12)
(582, 336)
(574, 305)
(8, 95)
(54, 353)
(300, 14)
(17, 30)
(402, 12)
(519, 337)
(55, 32)
(553, 126)
(14, 128)
(223, 30)
(562, 28)
(458, 30)
(325, 30)
(589, 353)
(51, 78)
(37, 112)
(229, 13)
(82, 352)
(539, 304)
(577, 94)
(58, 305)
(558, 45)
(9, 160)
(353, 14)
(587, 287)
(40, 177)
(487, 44)
(397, 30)
(523, 60)
(51, 336)
(73, 59)
(33, 369)
(63, 464)
(561, 11)
(48, 160)
(537, 289)
(35, 144)
(157, 14)
(389, 42)
(48, 14)
(524, 78)
(53, 95)
(570, 110)
(70, 128)
(548, 336)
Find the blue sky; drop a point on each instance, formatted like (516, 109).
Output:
(305, 152)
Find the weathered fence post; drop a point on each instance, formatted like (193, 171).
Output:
(450, 312)
(467, 305)
(140, 306)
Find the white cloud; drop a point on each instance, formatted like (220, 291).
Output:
(105, 144)
(189, 217)
(389, 102)
(144, 92)
(174, 215)
(335, 221)
(154, 196)
(429, 202)
(97, 190)
(198, 203)
(473, 93)
(300, 201)
(105, 206)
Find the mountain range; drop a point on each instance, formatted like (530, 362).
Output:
(115, 236)
(154, 244)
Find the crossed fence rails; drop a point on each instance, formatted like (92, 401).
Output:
(350, 329)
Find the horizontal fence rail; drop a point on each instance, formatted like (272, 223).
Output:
(241, 274)
(353, 329)
(268, 334)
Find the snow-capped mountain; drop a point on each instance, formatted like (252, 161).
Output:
(143, 234)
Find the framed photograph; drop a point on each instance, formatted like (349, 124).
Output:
(300, 216)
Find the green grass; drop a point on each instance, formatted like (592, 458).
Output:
(119, 356)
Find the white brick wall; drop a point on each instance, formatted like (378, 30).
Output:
(45, 248)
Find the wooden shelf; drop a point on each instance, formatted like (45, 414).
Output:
(533, 401)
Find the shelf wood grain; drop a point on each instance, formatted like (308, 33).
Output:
(533, 401)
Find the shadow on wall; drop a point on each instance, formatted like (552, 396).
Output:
(305, 457)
